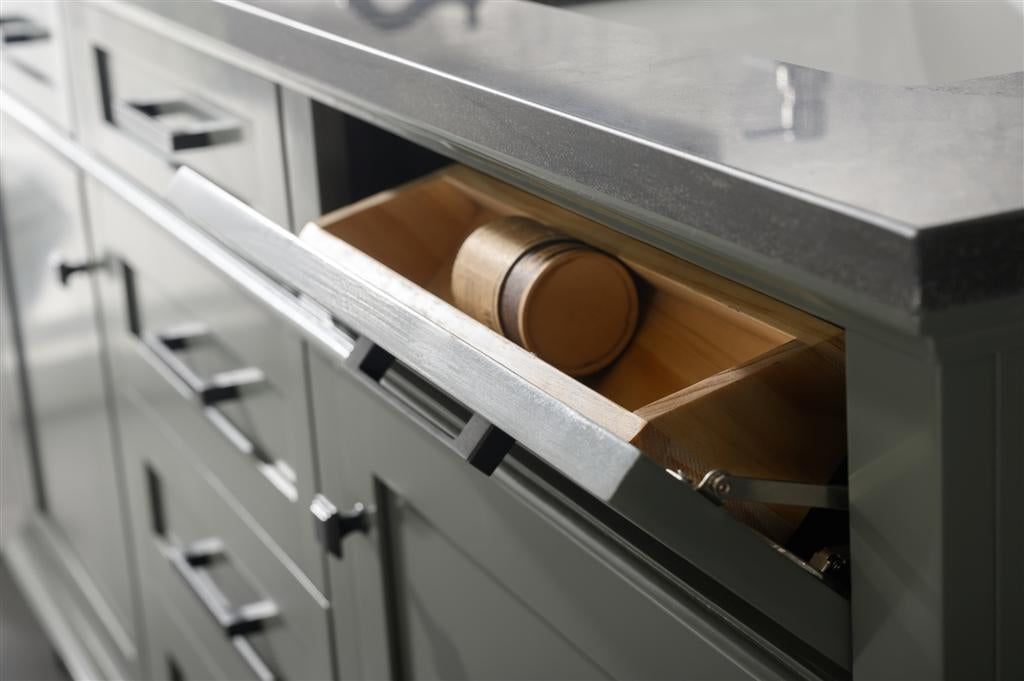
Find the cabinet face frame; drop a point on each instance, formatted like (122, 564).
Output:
(625, 489)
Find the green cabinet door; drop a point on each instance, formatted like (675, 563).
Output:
(464, 576)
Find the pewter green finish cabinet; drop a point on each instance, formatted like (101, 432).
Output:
(196, 381)
(464, 576)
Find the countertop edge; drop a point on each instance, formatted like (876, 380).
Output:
(910, 271)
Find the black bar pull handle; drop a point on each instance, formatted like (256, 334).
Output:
(220, 387)
(160, 350)
(190, 563)
(469, 434)
(483, 444)
(369, 358)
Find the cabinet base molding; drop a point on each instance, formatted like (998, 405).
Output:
(56, 587)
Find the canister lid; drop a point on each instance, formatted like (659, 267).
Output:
(485, 259)
(573, 306)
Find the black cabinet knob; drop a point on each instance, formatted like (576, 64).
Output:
(66, 269)
(332, 525)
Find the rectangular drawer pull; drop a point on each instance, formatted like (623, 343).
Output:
(160, 351)
(194, 124)
(469, 434)
(220, 387)
(236, 621)
(190, 562)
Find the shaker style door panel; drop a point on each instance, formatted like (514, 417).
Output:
(219, 604)
(460, 575)
(447, 617)
(459, 622)
(191, 332)
(50, 264)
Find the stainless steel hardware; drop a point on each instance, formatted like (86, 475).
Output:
(720, 486)
(222, 386)
(482, 444)
(333, 525)
(16, 29)
(161, 352)
(190, 563)
(173, 124)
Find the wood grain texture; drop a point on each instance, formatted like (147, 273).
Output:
(716, 376)
(781, 416)
(415, 229)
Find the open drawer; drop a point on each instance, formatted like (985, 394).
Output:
(716, 377)
(756, 358)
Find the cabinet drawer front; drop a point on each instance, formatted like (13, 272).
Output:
(491, 565)
(224, 371)
(205, 563)
(151, 105)
(32, 62)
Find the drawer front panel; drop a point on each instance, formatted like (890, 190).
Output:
(186, 336)
(461, 622)
(32, 61)
(151, 105)
(478, 569)
(207, 568)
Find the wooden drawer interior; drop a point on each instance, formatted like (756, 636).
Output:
(717, 375)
